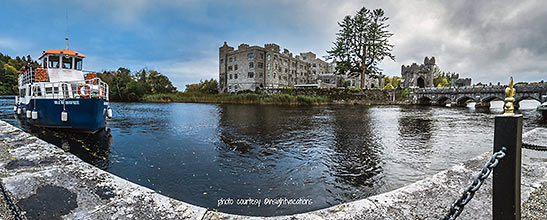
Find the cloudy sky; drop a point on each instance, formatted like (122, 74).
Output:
(485, 40)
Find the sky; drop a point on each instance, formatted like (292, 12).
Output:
(487, 41)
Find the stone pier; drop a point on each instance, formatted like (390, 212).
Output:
(49, 183)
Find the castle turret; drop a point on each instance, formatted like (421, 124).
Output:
(222, 76)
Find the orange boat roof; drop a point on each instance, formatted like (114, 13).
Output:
(62, 51)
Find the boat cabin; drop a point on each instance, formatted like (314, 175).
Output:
(60, 76)
(62, 65)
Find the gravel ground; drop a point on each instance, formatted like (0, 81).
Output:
(5, 213)
(536, 206)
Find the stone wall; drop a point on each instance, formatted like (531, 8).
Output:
(357, 96)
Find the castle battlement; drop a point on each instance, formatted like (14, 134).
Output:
(415, 75)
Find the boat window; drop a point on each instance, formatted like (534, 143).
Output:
(65, 92)
(49, 90)
(78, 62)
(37, 91)
(67, 62)
(53, 61)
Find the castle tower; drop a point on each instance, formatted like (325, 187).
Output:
(419, 76)
(222, 66)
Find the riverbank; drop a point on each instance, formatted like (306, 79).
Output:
(247, 98)
(291, 96)
(48, 182)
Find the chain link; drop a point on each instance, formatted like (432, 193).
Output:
(534, 147)
(14, 209)
(457, 207)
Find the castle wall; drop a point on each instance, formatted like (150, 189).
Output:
(267, 67)
(413, 75)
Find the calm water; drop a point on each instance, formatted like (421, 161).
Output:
(200, 153)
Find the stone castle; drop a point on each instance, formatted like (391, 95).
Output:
(418, 76)
(421, 76)
(255, 67)
(456, 81)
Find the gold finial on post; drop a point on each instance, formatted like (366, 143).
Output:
(510, 93)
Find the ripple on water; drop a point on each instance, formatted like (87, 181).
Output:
(200, 153)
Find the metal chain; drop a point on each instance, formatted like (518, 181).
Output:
(14, 209)
(457, 207)
(534, 147)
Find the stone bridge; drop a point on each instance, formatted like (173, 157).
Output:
(481, 95)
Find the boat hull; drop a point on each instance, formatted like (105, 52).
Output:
(84, 115)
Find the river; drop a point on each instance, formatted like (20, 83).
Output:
(323, 155)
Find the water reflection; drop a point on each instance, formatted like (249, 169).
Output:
(416, 125)
(92, 148)
(355, 160)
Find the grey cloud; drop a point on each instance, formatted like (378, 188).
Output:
(485, 40)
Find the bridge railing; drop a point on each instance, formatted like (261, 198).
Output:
(474, 89)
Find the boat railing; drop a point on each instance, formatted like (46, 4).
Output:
(89, 88)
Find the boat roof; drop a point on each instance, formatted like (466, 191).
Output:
(62, 51)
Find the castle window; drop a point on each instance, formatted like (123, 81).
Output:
(269, 57)
(314, 65)
(235, 58)
(251, 55)
(251, 75)
(221, 61)
(230, 76)
(268, 75)
(260, 65)
(235, 68)
(261, 56)
(230, 59)
(260, 75)
(269, 66)
(275, 57)
(286, 70)
(251, 65)
(230, 68)
(235, 76)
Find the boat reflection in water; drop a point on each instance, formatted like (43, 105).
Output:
(93, 148)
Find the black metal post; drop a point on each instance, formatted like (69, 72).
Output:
(506, 176)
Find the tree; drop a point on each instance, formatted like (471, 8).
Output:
(203, 87)
(441, 79)
(362, 43)
(125, 86)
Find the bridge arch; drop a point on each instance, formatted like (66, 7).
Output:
(464, 100)
(442, 100)
(492, 98)
(424, 100)
(527, 97)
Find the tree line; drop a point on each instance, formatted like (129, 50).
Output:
(124, 84)
(127, 86)
(10, 69)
